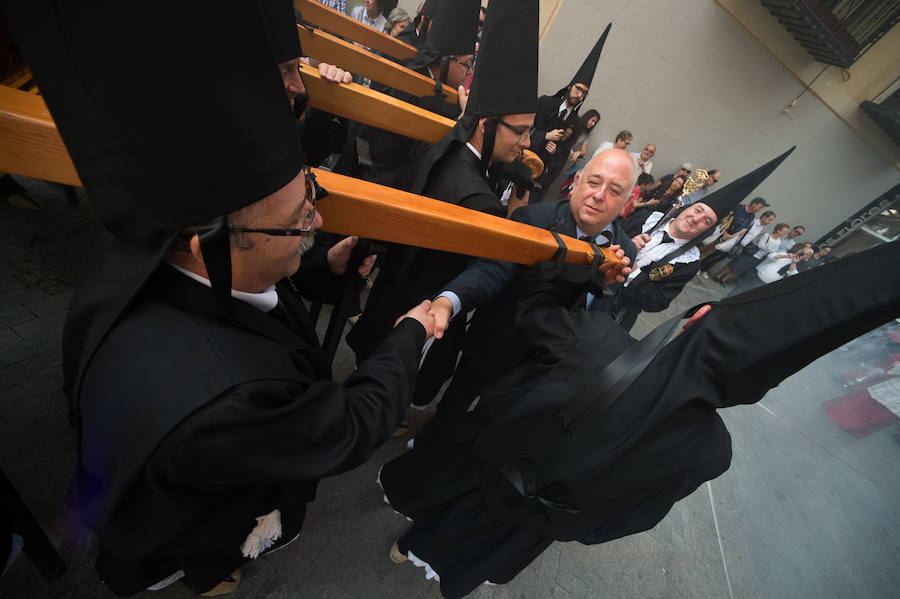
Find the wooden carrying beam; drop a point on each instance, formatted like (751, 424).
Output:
(328, 48)
(30, 145)
(367, 106)
(344, 26)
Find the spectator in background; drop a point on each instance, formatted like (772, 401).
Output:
(482, 14)
(338, 5)
(658, 199)
(397, 21)
(623, 140)
(370, 14)
(642, 163)
(775, 266)
(817, 259)
(791, 239)
(755, 252)
(738, 233)
(644, 182)
(685, 169)
(586, 124)
(714, 176)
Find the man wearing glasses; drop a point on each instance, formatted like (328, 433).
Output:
(203, 406)
(556, 121)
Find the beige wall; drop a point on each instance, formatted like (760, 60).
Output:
(684, 75)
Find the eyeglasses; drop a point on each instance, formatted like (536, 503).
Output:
(522, 133)
(470, 65)
(314, 192)
(580, 88)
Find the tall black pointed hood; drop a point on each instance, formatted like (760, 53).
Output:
(505, 80)
(454, 27)
(585, 74)
(159, 142)
(726, 199)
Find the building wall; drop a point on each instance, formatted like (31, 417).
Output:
(685, 76)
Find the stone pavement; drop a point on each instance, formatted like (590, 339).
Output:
(805, 511)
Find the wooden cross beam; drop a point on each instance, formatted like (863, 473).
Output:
(325, 47)
(345, 26)
(364, 105)
(31, 145)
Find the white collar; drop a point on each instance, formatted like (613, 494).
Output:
(474, 151)
(264, 301)
(564, 106)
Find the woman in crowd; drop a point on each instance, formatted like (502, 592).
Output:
(755, 252)
(397, 21)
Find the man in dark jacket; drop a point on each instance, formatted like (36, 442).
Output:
(492, 346)
(203, 406)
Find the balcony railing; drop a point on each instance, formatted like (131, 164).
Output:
(836, 32)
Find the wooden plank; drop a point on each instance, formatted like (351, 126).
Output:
(356, 207)
(30, 145)
(345, 26)
(328, 48)
(367, 106)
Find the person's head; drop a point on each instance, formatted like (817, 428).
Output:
(676, 184)
(756, 205)
(685, 169)
(397, 20)
(645, 181)
(589, 120)
(648, 152)
(693, 220)
(373, 7)
(502, 138)
(824, 251)
(577, 93)
(457, 68)
(796, 231)
(259, 260)
(482, 14)
(806, 252)
(780, 230)
(713, 177)
(767, 217)
(600, 190)
(623, 139)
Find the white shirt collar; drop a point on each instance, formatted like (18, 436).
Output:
(563, 106)
(264, 301)
(474, 151)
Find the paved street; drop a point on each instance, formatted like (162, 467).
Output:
(806, 510)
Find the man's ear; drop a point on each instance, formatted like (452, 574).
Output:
(194, 243)
(481, 122)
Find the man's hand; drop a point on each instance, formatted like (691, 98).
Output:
(620, 254)
(554, 135)
(640, 240)
(441, 311)
(421, 313)
(515, 202)
(331, 73)
(697, 316)
(463, 94)
(652, 202)
(550, 147)
(339, 255)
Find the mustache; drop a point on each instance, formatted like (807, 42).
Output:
(306, 244)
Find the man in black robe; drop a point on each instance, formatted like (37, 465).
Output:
(493, 131)
(204, 409)
(492, 344)
(572, 446)
(668, 257)
(556, 121)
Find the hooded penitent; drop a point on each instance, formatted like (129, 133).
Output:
(724, 200)
(454, 27)
(585, 73)
(172, 118)
(505, 79)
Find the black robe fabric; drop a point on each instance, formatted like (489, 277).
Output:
(493, 346)
(410, 275)
(547, 119)
(193, 427)
(628, 464)
(643, 294)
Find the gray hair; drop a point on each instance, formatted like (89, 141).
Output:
(395, 16)
(249, 217)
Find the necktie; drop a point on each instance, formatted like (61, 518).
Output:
(562, 114)
(666, 238)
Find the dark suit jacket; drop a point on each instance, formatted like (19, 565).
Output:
(646, 295)
(546, 119)
(495, 288)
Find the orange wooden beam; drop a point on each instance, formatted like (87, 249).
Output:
(343, 25)
(328, 48)
(30, 145)
(367, 106)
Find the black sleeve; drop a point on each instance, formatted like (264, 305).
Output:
(655, 296)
